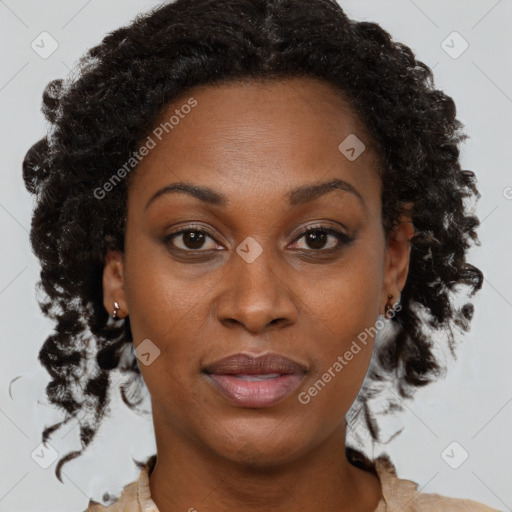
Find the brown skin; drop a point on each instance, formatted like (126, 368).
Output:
(254, 143)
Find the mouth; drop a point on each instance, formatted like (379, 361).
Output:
(255, 382)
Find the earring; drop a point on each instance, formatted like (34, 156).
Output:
(116, 309)
(389, 305)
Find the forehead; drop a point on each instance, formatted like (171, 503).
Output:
(256, 135)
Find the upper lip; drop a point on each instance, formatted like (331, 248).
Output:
(248, 364)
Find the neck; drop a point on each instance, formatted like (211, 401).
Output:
(190, 477)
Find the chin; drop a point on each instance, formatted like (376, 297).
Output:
(264, 450)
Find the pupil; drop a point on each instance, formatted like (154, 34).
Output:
(195, 241)
(316, 241)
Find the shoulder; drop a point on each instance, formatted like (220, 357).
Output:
(127, 501)
(427, 502)
(401, 494)
(134, 497)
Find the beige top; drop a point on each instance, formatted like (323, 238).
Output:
(398, 495)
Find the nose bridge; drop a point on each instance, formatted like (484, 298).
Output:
(255, 265)
(255, 293)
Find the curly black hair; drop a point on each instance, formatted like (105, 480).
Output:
(99, 114)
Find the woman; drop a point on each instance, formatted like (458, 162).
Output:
(256, 192)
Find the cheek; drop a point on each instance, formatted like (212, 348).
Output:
(162, 297)
(165, 309)
(344, 340)
(344, 309)
(346, 299)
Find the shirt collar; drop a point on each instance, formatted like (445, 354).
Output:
(146, 504)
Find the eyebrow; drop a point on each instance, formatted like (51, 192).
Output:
(300, 195)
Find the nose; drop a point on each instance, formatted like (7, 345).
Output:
(256, 295)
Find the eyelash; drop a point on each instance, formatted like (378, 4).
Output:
(343, 239)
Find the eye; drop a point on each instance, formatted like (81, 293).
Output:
(317, 238)
(191, 239)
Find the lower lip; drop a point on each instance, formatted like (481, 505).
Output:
(261, 393)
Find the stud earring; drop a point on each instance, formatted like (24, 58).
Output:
(389, 305)
(116, 309)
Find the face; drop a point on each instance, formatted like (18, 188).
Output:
(278, 251)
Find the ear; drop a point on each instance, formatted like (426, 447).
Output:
(113, 284)
(397, 260)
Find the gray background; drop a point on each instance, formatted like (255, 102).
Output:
(471, 406)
